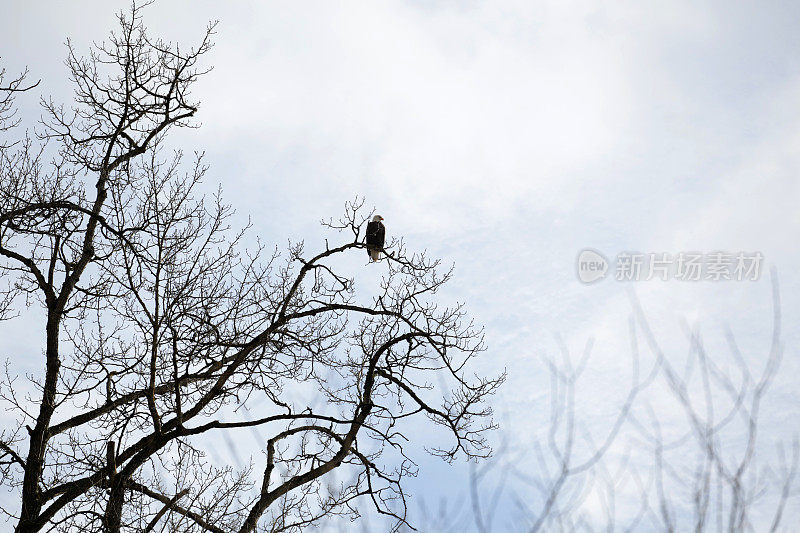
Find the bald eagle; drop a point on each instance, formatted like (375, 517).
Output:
(376, 235)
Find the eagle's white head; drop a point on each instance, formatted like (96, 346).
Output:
(377, 218)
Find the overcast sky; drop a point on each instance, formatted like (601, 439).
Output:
(505, 137)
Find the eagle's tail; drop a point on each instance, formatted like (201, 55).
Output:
(374, 253)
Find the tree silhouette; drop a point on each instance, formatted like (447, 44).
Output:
(686, 449)
(161, 326)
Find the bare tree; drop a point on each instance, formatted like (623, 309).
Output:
(714, 476)
(686, 449)
(161, 326)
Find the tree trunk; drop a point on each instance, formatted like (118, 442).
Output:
(31, 503)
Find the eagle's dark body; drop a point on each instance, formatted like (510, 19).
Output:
(376, 236)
